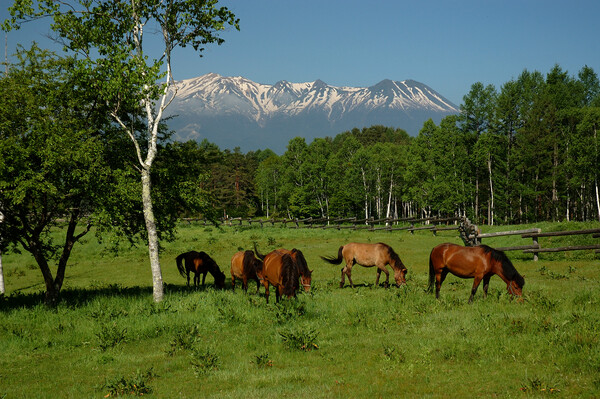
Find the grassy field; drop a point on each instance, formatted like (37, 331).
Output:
(107, 337)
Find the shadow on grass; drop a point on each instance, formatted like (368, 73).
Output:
(76, 297)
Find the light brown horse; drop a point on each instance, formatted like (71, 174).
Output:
(244, 266)
(369, 255)
(199, 263)
(280, 271)
(479, 263)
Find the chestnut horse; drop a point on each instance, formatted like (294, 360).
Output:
(369, 255)
(199, 263)
(281, 271)
(244, 266)
(479, 263)
(299, 261)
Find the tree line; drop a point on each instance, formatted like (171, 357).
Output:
(525, 153)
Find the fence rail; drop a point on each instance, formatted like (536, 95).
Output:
(469, 233)
(535, 248)
(371, 224)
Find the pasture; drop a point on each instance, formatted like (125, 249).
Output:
(108, 338)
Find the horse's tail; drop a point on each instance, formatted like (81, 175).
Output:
(333, 260)
(431, 273)
(249, 264)
(180, 267)
(258, 254)
(289, 276)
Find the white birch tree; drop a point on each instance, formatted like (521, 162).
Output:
(111, 38)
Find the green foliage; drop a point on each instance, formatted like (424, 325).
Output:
(136, 385)
(299, 338)
(204, 362)
(110, 335)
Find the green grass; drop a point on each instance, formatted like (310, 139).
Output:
(107, 337)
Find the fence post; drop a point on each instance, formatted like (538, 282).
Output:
(535, 242)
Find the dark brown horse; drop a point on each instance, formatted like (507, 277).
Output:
(369, 255)
(479, 263)
(281, 271)
(199, 263)
(244, 266)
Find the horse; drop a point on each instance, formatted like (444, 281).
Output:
(479, 263)
(369, 255)
(199, 262)
(280, 271)
(299, 261)
(244, 266)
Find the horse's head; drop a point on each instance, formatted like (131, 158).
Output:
(400, 275)
(515, 287)
(306, 279)
(220, 279)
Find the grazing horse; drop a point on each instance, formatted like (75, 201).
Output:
(369, 255)
(280, 271)
(299, 261)
(199, 263)
(244, 266)
(479, 263)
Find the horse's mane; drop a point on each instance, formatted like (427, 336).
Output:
(211, 266)
(394, 256)
(301, 263)
(507, 267)
(251, 263)
(289, 275)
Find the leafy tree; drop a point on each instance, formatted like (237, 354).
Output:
(110, 37)
(55, 140)
(477, 114)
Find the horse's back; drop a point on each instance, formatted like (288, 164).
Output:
(366, 254)
(271, 269)
(461, 261)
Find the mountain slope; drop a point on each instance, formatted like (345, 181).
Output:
(237, 112)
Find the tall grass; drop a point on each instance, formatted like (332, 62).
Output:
(107, 337)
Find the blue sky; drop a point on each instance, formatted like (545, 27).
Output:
(446, 44)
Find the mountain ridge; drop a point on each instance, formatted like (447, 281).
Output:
(237, 112)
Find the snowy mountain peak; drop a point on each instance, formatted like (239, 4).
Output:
(216, 107)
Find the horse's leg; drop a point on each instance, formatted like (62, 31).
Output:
(343, 280)
(266, 290)
(203, 277)
(245, 284)
(277, 294)
(476, 282)
(387, 275)
(188, 278)
(348, 270)
(439, 279)
(377, 279)
(486, 284)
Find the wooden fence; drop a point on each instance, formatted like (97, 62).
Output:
(388, 224)
(469, 233)
(535, 248)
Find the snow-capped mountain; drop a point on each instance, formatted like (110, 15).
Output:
(237, 112)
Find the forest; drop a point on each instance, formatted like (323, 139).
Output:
(524, 153)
